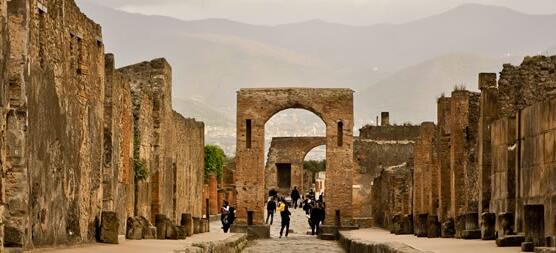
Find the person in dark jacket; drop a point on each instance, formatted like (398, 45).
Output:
(295, 196)
(317, 215)
(285, 215)
(270, 209)
(230, 219)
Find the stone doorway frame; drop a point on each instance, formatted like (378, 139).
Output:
(255, 107)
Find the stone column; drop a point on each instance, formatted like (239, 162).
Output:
(488, 113)
(213, 194)
(464, 173)
(442, 152)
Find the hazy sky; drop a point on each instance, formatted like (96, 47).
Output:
(358, 12)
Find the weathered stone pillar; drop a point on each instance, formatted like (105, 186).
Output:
(488, 113)
(464, 173)
(213, 194)
(384, 118)
(442, 152)
(16, 218)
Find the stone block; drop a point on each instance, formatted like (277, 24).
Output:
(258, 232)
(527, 247)
(506, 221)
(149, 232)
(459, 226)
(421, 225)
(448, 229)
(488, 229)
(109, 227)
(471, 234)
(510, 241)
(181, 232)
(196, 225)
(134, 229)
(433, 227)
(545, 250)
(187, 223)
(204, 224)
(165, 229)
(13, 237)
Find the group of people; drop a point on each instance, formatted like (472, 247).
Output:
(314, 209)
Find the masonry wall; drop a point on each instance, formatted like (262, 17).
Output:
(57, 72)
(371, 157)
(188, 166)
(118, 176)
(392, 199)
(389, 132)
(4, 55)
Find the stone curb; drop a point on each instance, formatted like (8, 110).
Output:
(235, 244)
(352, 245)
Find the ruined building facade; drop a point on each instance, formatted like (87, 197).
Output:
(486, 168)
(68, 135)
(378, 148)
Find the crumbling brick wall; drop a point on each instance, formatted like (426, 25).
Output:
(534, 80)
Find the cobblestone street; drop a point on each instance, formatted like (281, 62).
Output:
(297, 241)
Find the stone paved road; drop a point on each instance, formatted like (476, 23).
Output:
(297, 241)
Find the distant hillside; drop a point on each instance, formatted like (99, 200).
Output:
(401, 68)
(410, 94)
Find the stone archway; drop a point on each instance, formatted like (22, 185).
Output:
(256, 106)
(289, 150)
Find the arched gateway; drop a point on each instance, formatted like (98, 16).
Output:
(255, 107)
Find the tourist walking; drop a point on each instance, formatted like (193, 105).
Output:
(224, 212)
(295, 196)
(317, 216)
(285, 215)
(270, 209)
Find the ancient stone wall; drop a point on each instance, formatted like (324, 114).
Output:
(464, 173)
(442, 152)
(531, 82)
(57, 97)
(292, 151)
(488, 113)
(371, 157)
(425, 180)
(392, 198)
(4, 55)
(504, 148)
(118, 144)
(188, 166)
(389, 132)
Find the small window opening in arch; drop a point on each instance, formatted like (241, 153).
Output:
(340, 133)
